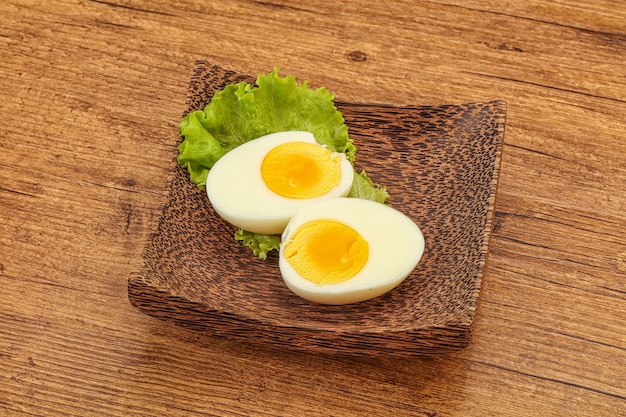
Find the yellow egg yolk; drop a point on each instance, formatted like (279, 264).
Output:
(301, 170)
(326, 251)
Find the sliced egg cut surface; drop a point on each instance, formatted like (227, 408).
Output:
(326, 251)
(259, 185)
(348, 250)
(301, 170)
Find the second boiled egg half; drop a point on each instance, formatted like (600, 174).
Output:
(261, 184)
(347, 250)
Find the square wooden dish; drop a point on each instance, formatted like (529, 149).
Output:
(440, 165)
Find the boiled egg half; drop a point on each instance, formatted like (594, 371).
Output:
(261, 184)
(347, 250)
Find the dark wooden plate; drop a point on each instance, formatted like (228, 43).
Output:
(440, 164)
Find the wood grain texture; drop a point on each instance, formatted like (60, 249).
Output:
(441, 166)
(90, 97)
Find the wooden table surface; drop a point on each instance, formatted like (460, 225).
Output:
(91, 95)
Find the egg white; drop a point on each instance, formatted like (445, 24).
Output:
(238, 193)
(396, 245)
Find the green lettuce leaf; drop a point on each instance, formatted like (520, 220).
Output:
(201, 151)
(259, 244)
(363, 187)
(242, 112)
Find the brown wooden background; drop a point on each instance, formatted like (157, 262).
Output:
(91, 93)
